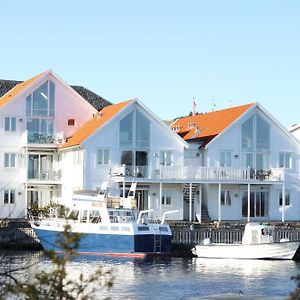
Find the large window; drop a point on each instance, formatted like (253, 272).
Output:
(262, 134)
(142, 131)
(9, 196)
(258, 204)
(126, 131)
(41, 101)
(134, 143)
(40, 113)
(9, 160)
(247, 134)
(255, 143)
(136, 162)
(10, 124)
(287, 198)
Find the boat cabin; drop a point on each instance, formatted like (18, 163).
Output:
(256, 233)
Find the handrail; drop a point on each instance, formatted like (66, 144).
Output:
(167, 213)
(141, 213)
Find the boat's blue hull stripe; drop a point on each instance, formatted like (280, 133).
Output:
(109, 243)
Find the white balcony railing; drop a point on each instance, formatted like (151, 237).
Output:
(199, 173)
(46, 175)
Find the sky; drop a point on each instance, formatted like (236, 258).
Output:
(164, 52)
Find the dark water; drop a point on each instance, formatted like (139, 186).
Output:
(179, 278)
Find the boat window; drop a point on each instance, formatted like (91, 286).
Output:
(125, 228)
(143, 228)
(103, 228)
(161, 228)
(115, 228)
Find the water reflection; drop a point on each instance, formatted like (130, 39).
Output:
(178, 278)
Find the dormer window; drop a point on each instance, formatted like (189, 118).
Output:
(191, 125)
(176, 128)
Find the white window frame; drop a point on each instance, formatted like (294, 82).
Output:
(287, 198)
(287, 160)
(9, 200)
(165, 157)
(12, 160)
(10, 124)
(102, 156)
(166, 197)
(227, 198)
(77, 157)
(227, 155)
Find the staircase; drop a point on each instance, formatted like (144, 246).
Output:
(186, 198)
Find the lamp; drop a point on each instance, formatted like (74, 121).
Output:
(236, 156)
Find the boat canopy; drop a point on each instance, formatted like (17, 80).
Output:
(256, 233)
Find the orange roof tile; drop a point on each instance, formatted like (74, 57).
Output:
(17, 89)
(92, 125)
(208, 125)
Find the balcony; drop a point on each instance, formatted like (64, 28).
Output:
(46, 175)
(41, 138)
(208, 174)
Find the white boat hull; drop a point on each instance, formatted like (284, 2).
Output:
(284, 250)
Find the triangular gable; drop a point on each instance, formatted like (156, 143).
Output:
(15, 91)
(98, 120)
(267, 114)
(206, 126)
(38, 79)
(104, 116)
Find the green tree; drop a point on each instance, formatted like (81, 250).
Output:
(56, 284)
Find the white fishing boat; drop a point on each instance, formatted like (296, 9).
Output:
(109, 226)
(257, 243)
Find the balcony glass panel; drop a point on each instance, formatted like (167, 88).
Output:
(40, 130)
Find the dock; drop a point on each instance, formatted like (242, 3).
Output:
(18, 235)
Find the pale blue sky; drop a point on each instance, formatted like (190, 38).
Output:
(163, 52)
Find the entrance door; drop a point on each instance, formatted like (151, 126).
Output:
(258, 204)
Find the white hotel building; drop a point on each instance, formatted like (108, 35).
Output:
(234, 164)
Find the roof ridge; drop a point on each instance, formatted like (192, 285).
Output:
(216, 111)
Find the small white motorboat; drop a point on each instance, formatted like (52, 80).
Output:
(257, 243)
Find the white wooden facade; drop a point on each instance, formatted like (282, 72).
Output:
(231, 181)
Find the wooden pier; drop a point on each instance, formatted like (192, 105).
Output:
(228, 233)
(18, 235)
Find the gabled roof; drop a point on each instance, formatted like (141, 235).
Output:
(98, 120)
(17, 89)
(206, 126)
(8, 87)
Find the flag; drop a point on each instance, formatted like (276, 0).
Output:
(194, 107)
(213, 105)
